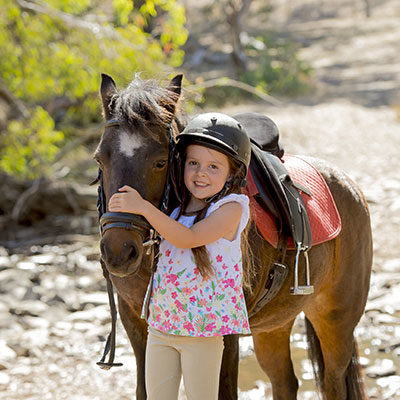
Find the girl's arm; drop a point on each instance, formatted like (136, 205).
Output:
(223, 222)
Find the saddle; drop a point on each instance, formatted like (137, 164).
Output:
(279, 196)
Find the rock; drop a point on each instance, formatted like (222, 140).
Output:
(4, 379)
(43, 258)
(96, 314)
(26, 265)
(33, 308)
(96, 298)
(6, 352)
(381, 368)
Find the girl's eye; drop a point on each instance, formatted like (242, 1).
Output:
(192, 163)
(213, 166)
(160, 164)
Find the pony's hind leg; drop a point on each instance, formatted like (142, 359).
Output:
(273, 354)
(333, 352)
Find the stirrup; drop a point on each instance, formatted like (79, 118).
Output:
(308, 288)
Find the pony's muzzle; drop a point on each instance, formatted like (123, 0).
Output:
(122, 257)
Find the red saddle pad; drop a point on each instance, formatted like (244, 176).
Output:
(324, 217)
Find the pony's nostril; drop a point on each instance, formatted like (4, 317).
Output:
(132, 254)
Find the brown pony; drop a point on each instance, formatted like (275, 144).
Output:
(134, 151)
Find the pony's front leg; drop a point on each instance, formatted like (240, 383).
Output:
(228, 380)
(136, 329)
(273, 354)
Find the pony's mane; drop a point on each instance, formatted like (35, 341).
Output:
(145, 102)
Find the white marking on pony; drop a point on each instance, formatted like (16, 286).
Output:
(128, 143)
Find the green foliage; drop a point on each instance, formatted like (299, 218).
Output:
(58, 49)
(275, 68)
(30, 146)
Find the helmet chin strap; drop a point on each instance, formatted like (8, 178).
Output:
(235, 180)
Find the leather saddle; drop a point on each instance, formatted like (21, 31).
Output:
(278, 195)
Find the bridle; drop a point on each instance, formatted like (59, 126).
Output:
(150, 238)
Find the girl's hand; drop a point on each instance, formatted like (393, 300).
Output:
(127, 200)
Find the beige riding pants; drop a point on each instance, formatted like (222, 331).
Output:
(197, 359)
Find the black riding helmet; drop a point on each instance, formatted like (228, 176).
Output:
(219, 132)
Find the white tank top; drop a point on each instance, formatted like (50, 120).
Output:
(183, 303)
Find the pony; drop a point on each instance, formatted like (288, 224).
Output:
(133, 150)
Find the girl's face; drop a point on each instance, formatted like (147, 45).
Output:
(206, 171)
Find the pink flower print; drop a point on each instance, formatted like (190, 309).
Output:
(196, 271)
(188, 326)
(236, 323)
(175, 318)
(210, 327)
(202, 302)
(224, 266)
(224, 330)
(229, 283)
(167, 314)
(167, 325)
(179, 305)
(245, 324)
(219, 258)
(211, 316)
(236, 267)
(238, 291)
(158, 317)
(171, 278)
(208, 308)
(168, 252)
(192, 299)
(186, 291)
(198, 324)
(238, 307)
(233, 299)
(157, 309)
(174, 295)
(170, 261)
(225, 318)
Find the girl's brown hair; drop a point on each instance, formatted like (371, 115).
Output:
(201, 255)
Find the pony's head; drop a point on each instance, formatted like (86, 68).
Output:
(133, 151)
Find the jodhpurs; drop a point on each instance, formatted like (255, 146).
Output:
(197, 359)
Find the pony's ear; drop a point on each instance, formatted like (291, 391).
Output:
(176, 84)
(108, 89)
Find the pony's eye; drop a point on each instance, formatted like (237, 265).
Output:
(99, 162)
(160, 164)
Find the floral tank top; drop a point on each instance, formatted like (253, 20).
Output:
(183, 303)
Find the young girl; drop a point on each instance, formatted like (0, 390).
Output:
(196, 294)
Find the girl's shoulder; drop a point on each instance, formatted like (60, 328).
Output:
(242, 199)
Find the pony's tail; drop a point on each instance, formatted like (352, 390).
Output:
(315, 355)
(354, 377)
(354, 380)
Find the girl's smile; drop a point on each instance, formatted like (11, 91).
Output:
(205, 174)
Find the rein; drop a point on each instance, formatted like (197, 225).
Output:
(133, 222)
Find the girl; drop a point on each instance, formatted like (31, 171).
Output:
(196, 293)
